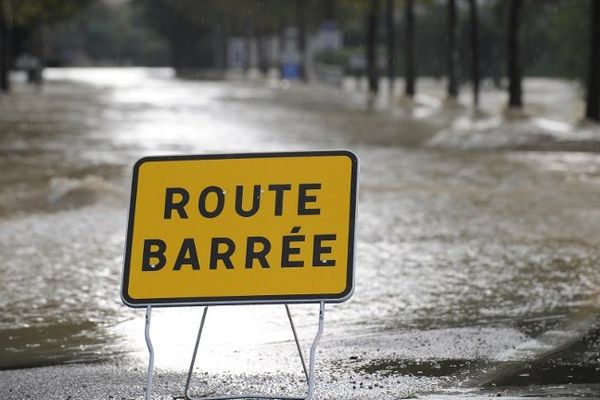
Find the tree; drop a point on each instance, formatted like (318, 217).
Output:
(301, 25)
(32, 13)
(452, 51)
(249, 37)
(475, 73)
(5, 41)
(371, 46)
(329, 10)
(263, 64)
(191, 29)
(410, 64)
(513, 64)
(28, 17)
(391, 43)
(592, 109)
(191, 26)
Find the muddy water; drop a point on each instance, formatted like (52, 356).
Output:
(463, 257)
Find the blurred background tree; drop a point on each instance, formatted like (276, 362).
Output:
(461, 40)
(22, 28)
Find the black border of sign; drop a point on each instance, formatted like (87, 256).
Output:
(237, 300)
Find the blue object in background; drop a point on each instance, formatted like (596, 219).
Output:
(290, 71)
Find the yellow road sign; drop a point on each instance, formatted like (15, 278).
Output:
(241, 228)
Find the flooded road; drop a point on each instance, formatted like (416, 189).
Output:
(474, 269)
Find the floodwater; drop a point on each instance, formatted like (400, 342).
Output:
(475, 268)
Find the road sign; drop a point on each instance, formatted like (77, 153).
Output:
(241, 228)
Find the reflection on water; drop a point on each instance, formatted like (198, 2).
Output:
(232, 340)
(448, 242)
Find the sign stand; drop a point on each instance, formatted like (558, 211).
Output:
(148, 393)
(309, 373)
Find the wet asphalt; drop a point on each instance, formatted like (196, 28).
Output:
(476, 268)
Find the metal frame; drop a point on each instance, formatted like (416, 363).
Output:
(308, 373)
(148, 388)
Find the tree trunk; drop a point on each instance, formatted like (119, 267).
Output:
(35, 72)
(592, 109)
(452, 52)
(475, 73)
(371, 47)
(514, 68)
(301, 24)
(329, 10)
(216, 48)
(5, 42)
(410, 64)
(248, 48)
(391, 44)
(263, 64)
(224, 46)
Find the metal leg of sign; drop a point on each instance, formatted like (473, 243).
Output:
(191, 370)
(289, 314)
(309, 373)
(148, 394)
(313, 352)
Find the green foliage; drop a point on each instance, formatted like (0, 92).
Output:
(114, 34)
(332, 57)
(554, 33)
(28, 13)
(566, 28)
(239, 15)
